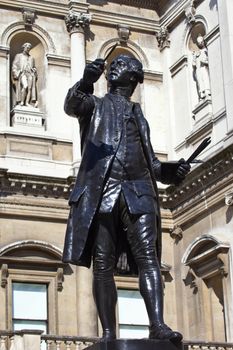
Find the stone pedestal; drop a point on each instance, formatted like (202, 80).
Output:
(136, 344)
(22, 116)
(202, 113)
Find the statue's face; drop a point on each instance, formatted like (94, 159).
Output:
(27, 47)
(119, 72)
(200, 42)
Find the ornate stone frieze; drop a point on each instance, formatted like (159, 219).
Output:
(123, 33)
(163, 38)
(29, 16)
(20, 184)
(77, 22)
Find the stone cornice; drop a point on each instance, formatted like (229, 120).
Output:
(14, 184)
(178, 65)
(42, 6)
(176, 13)
(99, 16)
(56, 60)
(152, 75)
(204, 188)
(114, 19)
(148, 4)
(4, 51)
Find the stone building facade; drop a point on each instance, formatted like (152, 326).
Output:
(186, 47)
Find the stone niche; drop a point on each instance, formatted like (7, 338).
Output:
(199, 72)
(29, 117)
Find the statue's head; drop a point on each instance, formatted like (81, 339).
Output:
(200, 41)
(26, 47)
(125, 71)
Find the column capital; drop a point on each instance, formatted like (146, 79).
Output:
(77, 21)
(163, 38)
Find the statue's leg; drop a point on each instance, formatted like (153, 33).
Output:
(29, 91)
(24, 86)
(141, 234)
(104, 289)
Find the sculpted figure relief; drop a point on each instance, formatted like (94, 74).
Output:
(24, 77)
(114, 203)
(201, 69)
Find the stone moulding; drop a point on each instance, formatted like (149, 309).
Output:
(56, 60)
(176, 13)
(131, 45)
(114, 19)
(4, 51)
(204, 187)
(40, 32)
(212, 35)
(45, 7)
(179, 65)
(14, 183)
(152, 75)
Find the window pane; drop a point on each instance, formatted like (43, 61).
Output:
(127, 331)
(29, 301)
(132, 310)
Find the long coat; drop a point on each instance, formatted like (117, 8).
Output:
(100, 131)
(24, 64)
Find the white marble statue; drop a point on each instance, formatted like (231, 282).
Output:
(24, 77)
(201, 69)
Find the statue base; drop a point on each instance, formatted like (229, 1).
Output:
(136, 344)
(202, 111)
(27, 116)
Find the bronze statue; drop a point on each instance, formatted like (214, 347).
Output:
(114, 203)
(24, 77)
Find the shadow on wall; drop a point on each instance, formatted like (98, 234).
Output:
(212, 4)
(229, 214)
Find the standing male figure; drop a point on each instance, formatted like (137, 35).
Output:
(24, 77)
(115, 197)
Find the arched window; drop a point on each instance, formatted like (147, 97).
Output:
(31, 274)
(207, 262)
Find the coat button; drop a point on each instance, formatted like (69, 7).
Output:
(116, 139)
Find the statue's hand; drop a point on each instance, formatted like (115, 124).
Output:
(182, 170)
(93, 71)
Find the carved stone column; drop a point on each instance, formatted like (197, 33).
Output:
(76, 24)
(225, 8)
(4, 87)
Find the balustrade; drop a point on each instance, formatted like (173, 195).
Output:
(34, 340)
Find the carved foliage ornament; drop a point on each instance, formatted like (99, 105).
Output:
(229, 198)
(77, 22)
(190, 12)
(123, 33)
(29, 16)
(163, 38)
(176, 233)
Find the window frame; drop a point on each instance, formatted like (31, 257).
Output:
(37, 277)
(126, 283)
